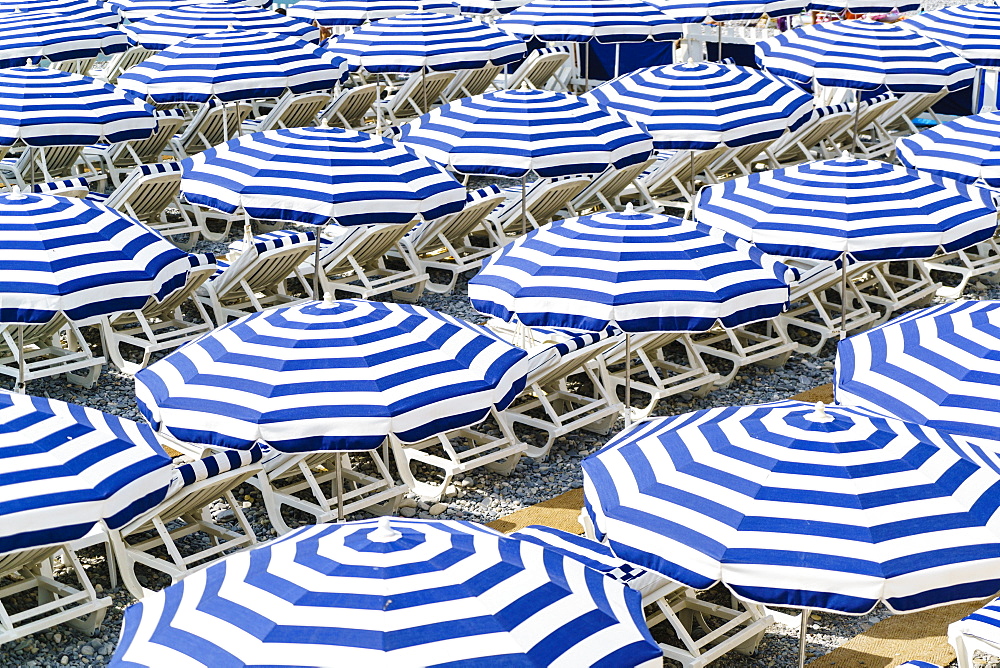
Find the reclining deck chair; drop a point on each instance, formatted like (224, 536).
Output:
(551, 403)
(757, 343)
(37, 164)
(665, 364)
(213, 124)
(538, 71)
(898, 120)
(297, 481)
(543, 200)
(291, 111)
(468, 83)
(417, 92)
(352, 260)
(982, 259)
(159, 325)
(39, 351)
(446, 244)
(869, 144)
(668, 182)
(808, 142)
(193, 487)
(146, 194)
(978, 632)
(57, 602)
(740, 161)
(77, 186)
(890, 287)
(123, 61)
(256, 279)
(117, 160)
(603, 191)
(350, 109)
(699, 642)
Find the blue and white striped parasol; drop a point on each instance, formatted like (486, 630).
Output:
(392, 592)
(135, 10)
(234, 65)
(72, 256)
(426, 41)
(66, 468)
(837, 509)
(972, 31)
(358, 12)
(705, 105)
(638, 272)
(606, 21)
(315, 175)
(965, 148)
(864, 55)
(167, 28)
(938, 367)
(331, 376)
(871, 210)
(515, 132)
(492, 7)
(28, 37)
(44, 107)
(73, 10)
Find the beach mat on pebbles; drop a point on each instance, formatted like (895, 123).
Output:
(559, 513)
(901, 638)
(822, 393)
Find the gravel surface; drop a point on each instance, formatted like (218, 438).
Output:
(480, 496)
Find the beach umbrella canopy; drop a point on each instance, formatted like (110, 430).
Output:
(489, 6)
(72, 10)
(67, 468)
(516, 132)
(176, 25)
(639, 272)
(315, 175)
(234, 65)
(972, 31)
(787, 504)
(44, 107)
(966, 148)
(358, 12)
(871, 210)
(606, 21)
(424, 40)
(82, 259)
(705, 105)
(135, 10)
(28, 37)
(865, 55)
(392, 592)
(331, 376)
(938, 367)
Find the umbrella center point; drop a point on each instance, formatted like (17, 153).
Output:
(384, 533)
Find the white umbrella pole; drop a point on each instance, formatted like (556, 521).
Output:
(378, 106)
(718, 56)
(340, 486)
(423, 88)
(618, 54)
(316, 266)
(524, 205)
(843, 295)
(20, 358)
(628, 379)
(691, 169)
(803, 624)
(225, 124)
(857, 110)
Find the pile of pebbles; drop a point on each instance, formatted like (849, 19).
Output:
(479, 496)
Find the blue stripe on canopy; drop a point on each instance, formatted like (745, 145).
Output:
(964, 149)
(71, 10)
(164, 29)
(606, 21)
(28, 37)
(358, 12)
(971, 30)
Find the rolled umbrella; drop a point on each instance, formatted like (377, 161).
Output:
(28, 37)
(697, 106)
(331, 376)
(787, 504)
(68, 468)
(43, 107)
(359, 12)
(392, 592)
(971, 31)
(938, 367)
(167, 28)
(965, 149)
(234, 65)
(78, 10)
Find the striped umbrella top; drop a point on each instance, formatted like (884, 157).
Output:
(410, 42)
(836, 509)
(135, 10)
(66, 468)
(71, 256)
(872, 210)
(607, 21)
(965, 149)
(392, 592)
(939, 367)
(43, 107)
(234, 65)
(865, 6)
(79, 10)
(639, 272)
(866, 55)
(973, 31)
(705, 105)
(514, 132)
(357, 12)
(331, 376)
(170, 27)
(28, 37)
(489, 6)
(313, 175)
